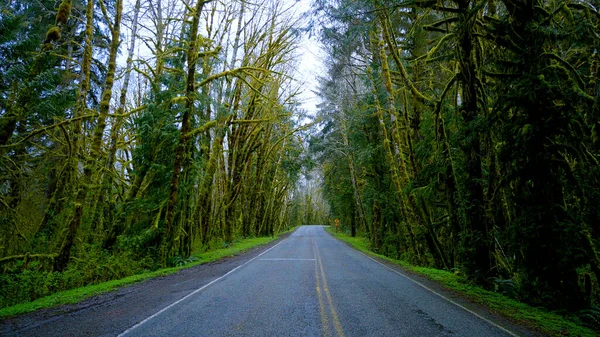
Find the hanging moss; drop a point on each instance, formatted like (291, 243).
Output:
(52, 35)
(47, 47)
(64, 11)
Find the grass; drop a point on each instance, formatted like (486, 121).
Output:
(546, 322)
(78, 294)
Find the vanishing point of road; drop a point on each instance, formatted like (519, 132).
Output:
(309, 284)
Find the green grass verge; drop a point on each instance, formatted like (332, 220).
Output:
(78, 294)
(546, 322)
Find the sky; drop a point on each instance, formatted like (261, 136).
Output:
(309, 68)
(310, 64)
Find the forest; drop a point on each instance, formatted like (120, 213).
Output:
(463, 135)
(455, 134)
(134, 133)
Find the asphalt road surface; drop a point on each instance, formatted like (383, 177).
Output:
(308, 284)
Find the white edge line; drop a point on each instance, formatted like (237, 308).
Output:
(442, 296)
(195, 292)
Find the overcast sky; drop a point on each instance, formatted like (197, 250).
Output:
(310, 65)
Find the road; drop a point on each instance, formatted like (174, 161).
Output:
(309, 284)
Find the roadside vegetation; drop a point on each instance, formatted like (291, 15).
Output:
(538, 319)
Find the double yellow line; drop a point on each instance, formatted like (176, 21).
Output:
(323, 288)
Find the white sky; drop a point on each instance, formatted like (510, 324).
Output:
(310, 67)
(310, 64)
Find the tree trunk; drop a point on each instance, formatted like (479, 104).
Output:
(190, 91)
(477, 258)
(65, 250)
(116, 227)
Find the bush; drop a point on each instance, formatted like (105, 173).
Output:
(22, 282)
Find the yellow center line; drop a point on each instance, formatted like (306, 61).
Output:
(324, 321)
(336, 321)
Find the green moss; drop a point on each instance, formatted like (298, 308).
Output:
(549, 323)
(79, 294)
(53, 34)
(46, 47)
(64, 11)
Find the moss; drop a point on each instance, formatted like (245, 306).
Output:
(52, 35)
(46, 47)
(64, 11)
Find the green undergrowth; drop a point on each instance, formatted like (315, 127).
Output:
(78, 294)
(546, 322)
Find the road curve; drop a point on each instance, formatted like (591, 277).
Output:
(308, 284)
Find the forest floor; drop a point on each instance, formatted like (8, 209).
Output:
(541, 321)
